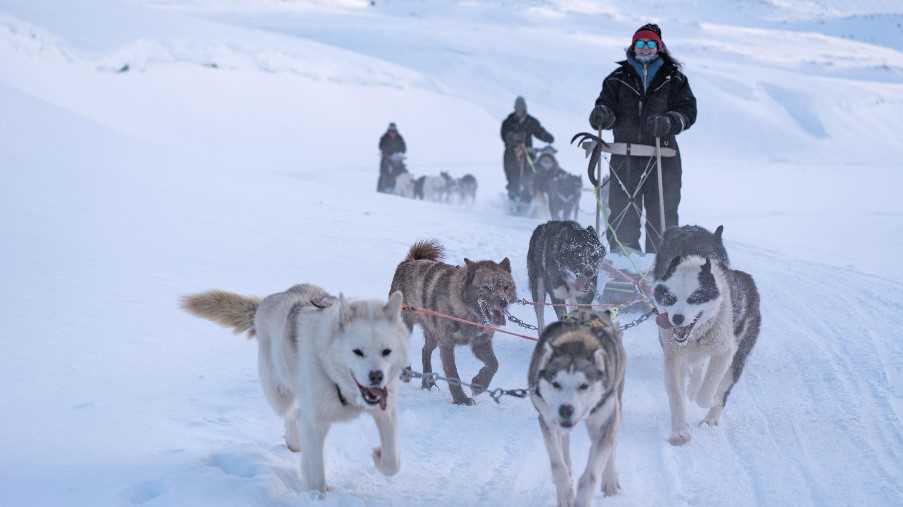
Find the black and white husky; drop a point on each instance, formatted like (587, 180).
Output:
(563, 262)
(577, 374)
(708, 322)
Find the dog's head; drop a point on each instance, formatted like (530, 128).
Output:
(688, 295)
(579, 258)
(489, 289)
(575, 370)
(368, 350)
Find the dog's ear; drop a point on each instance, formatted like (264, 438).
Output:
(344, 312)
(592, 230)
(599, 357)
(467, 262)
(506, 264)
(707, 267)
(392, 309)
(718, 232)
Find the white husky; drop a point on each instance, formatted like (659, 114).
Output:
(321, 360)
(709, 321)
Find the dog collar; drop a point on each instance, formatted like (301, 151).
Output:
(342, 399)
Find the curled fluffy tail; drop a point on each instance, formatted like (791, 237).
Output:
(230, 310)
(429, 250)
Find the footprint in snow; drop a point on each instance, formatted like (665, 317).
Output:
(144, 492)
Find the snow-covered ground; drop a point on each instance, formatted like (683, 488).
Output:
(155, 148)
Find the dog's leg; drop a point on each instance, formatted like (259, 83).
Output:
(674, 385)
(695, 374)
(561, 469)
(483, 350)
(600, 452)
(711, 418)
(539, 302)
(386, 456)
(313, 435)
(610, 483)
(447, 353)
(292, 437)
(718, 366)
(566, 448)
(429, 345)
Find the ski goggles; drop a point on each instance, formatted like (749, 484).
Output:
(640, 44)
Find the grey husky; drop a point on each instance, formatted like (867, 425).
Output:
(563, 262)
(478, 291)
(321, 359)
(577, 374)
(708, 321)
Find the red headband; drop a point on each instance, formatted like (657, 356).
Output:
(647, 35)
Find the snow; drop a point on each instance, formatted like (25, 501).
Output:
(239, 151)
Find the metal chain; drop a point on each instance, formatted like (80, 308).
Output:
(496, 394)
(521, 323)
(634, 323)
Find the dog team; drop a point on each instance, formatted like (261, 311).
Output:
(324, 358)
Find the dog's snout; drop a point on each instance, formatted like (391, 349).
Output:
(677, 319)
(376, 377)
(566, 411)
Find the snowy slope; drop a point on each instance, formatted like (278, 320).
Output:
(126, 190)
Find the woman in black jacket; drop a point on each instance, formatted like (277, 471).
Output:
(646, 97)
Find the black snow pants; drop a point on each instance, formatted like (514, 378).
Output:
(629, 195)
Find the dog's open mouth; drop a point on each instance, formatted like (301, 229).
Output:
(682, 333)
(374, 395)
(493, 314)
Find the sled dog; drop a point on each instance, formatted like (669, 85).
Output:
(563, 262)
(466, 189)
(708, 321)
(404, 185)
(577, 374)
(478, 291)
(321, 359)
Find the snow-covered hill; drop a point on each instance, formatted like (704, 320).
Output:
(150, 149)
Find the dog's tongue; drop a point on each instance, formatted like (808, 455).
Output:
(581, 284)
(382, 393)
(663, 321)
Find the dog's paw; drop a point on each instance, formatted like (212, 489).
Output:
(679, 436)
(610, 488)
(711, 419)
(385, 465)
(464, 401)
(566, 499)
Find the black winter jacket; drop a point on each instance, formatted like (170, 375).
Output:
(622, 93)
(524, 131)
(389, 146)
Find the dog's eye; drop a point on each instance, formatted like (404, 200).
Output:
(386, 352)
(583, 387)
(358, 352)
(556, 385)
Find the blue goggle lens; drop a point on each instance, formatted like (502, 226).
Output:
(640, 44)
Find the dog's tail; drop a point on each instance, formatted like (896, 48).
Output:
(226, 308)
(429, 250)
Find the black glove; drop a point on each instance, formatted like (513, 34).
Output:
(659, 125)
(601, 118)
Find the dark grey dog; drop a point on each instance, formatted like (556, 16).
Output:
(564, 189)
(466, 189)
(563, 262)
